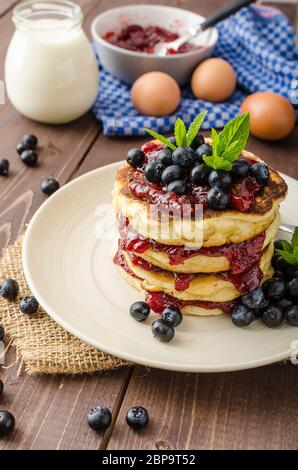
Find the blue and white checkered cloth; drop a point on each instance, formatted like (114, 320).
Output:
(259, 42)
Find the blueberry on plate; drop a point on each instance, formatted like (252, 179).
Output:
(162, 331)
(183, 156)
(7, 423)
(178, 187)
(255, 300)
(29, 305)
(292, 315)
(279, 263)
(198, 141)
(242, 316)
(276, 289)
(266, 284)
(4, 167)
(199, 174)
(278, 244)
(284, 304)
(172, 316)
(273, 316)
(278, 275)
(260, 172)
(171, 173)
(139, 311)
(99, 418)
(217, 199)
(291, 272)
(204, 149)
(137, 417)
(9, 289)
(292, 287)
(240, 169)
(135, 158)
(153, 171)
(29, 157)
(165, 156)
(172, 140)
(49, 186)
(30, 141)
(1, 387)
(2, 333)
(219, 178)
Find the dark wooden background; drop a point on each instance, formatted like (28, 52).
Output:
(254, 409)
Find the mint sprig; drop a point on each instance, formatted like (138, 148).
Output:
(229, 143)
(290, 250)
(194, 128)
(160, 137)
(180, 132)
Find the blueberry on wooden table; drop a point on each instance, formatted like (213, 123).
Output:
(9, 289)
(162, 331)
(49, 186)
(137, 417)
(172, 316)
(30, 141)
(1, 387)
(139, 311)
(29, 157)
(2, 333)
(7, 423)
(29, 305)
(4, 167)
(99, 418)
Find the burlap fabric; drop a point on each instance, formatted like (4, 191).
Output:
(41, 344)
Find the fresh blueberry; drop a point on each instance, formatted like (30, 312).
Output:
(198, 141)
(278, 275)
(49, 186)
(162, 331)
(183, 156)
(171, 173)
(217, 199)
(153, 171)
(254, 300)
(291, 316)
(165, 156)
(99, 418)
(20, 148)
(30, 141)
(135, 158)
(137, 417)
(199, 174)
(4, 167)
(284, 304)
(279, 263)
(7, 423)
(240, 169)
(276, 289)
(278, 244)
(172, 316)
(242, 316)
(172, 140)
(273, 316)
(9, 289)
(260, 172)
(219, 178)
(29, 157)
(265, 285)
(29, 305)
(292, 287)
(204, 149)
(2, 333)
(291, 272)
(1, 387)
(178, 187)
(139, 311)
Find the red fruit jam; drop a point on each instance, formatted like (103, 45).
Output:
(242, 194)
(139, 39)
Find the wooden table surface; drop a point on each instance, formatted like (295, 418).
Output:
(254, 409)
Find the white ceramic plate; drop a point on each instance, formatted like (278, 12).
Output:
(70, 271)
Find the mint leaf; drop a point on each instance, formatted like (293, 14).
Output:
(233, 137)
(286, 246)
(194, 128)
(294, 241)
(290, 250)
(215, 141)
(180, 133)
(160, 137)
(217, 163)
(289, 257)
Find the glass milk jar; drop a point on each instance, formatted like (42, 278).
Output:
(50, 70)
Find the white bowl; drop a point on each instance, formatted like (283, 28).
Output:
(129, 65)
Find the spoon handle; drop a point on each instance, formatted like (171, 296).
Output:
(224, 12)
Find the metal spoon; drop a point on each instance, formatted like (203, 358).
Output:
(287, 228)
(161, 49)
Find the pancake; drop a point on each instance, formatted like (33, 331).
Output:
(217, 227)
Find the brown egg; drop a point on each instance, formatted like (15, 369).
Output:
(155, 94)
(272, 116)
(213, 80)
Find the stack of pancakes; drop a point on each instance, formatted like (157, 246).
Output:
(203, 275)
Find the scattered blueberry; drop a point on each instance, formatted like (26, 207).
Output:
(172, 316)
(284, 304)
(2, 333)
(162, 331)
(240, 169)
(292, 287)
(165, 156)
(178, 187)
(219, 178)
(171, 173)
(20, 148)
(30, 141)
(254, 300)
(204, 149)
(217, 199)
(198, 141)
(1, 387)
(29, 305)
(260, 172)
(9, 289)
(137, 417)
(139, 311)
(291, 272)
(4, 167)
(7, 423)
(278, 244)
(276, 289)
(135, 158)
(292, 315)
(29, 157)
(153, 171)
(242, 316)
(49, 186)
(279, 263)
(183, 156)
(99, 418)
(199, 174)
(273, 316)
